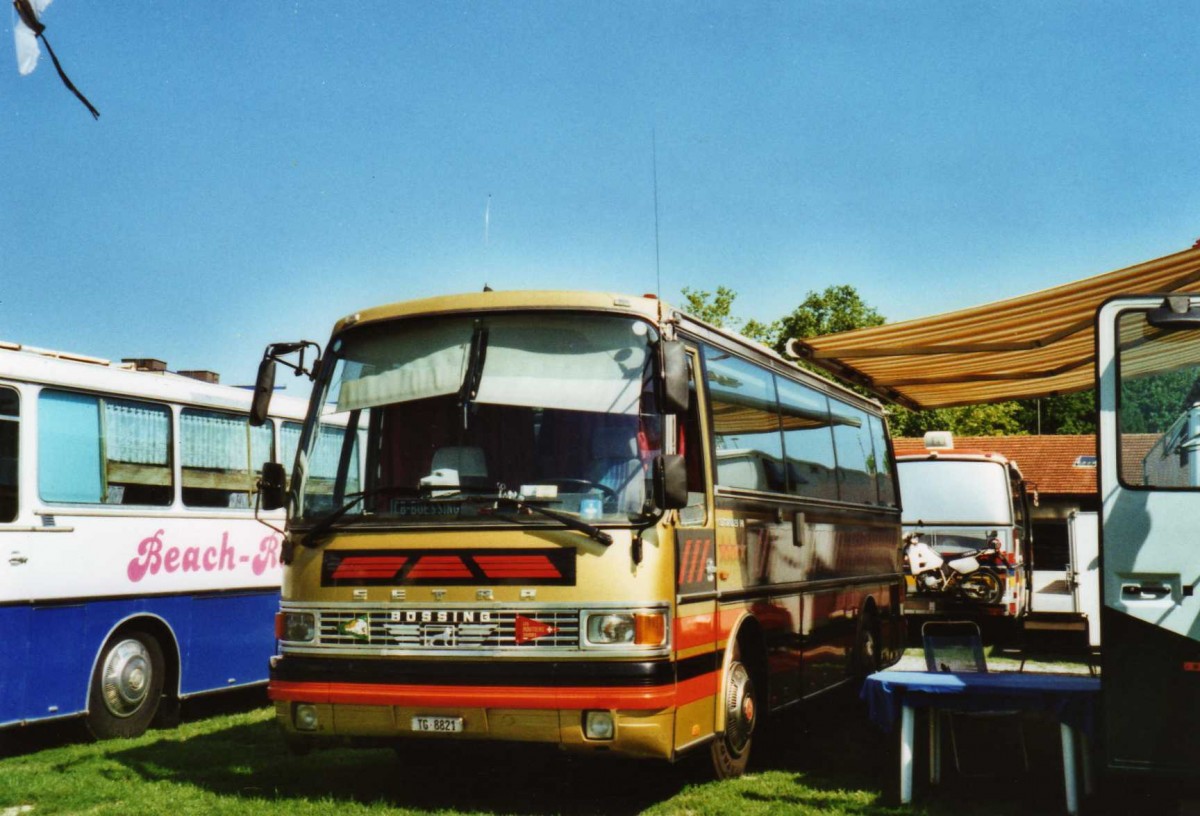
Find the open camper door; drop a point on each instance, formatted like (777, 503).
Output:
(1148, 365)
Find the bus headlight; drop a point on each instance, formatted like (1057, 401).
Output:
(297, 627)
(598, 725)
(633, 628)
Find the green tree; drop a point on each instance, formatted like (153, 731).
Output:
(1064, 414)
(837, 309)
(993, 419)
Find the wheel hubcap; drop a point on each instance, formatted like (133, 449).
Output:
(126, 678)
(740, 710)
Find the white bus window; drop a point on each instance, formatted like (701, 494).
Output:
(745, 418)
(9, 438)
(221, 454)
(807, 441)
(95, 450)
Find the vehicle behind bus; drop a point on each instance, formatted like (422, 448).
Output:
(585, 520)
(971, 509)
(134, 572)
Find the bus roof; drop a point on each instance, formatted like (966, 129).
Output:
(958, 455)
(68, 370)
(648, 307)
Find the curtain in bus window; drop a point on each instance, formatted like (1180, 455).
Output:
(69, 465)
(219, 453)
(807, 441)
(857, 464)
(289, 442)
(746, 426)
(136, 433)
(137, 448)
(565, 362)
(9, 441)
(424, 360)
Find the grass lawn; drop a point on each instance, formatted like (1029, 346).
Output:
(228, 758)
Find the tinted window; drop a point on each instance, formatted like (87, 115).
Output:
(807, 441)
(883, 464)
(745, 416)
(857, 465)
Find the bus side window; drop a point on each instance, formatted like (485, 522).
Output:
(883, 465)
(855, 456)
(99, 450)
(9, 415)
(219, 453)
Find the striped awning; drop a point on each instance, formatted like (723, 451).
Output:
(1036, 345)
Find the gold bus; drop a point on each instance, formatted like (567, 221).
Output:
(583, 519)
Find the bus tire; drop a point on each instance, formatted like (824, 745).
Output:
(731, 749)
(866, 646)
(126, 686)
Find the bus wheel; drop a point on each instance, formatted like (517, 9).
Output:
(731, 750)
(866, 647)
(126, 686)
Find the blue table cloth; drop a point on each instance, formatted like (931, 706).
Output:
(1070, 698)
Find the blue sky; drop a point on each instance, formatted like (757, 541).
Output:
(260, 169)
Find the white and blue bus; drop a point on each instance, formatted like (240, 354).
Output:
(134, 573)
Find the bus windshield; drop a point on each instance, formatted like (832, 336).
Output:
(459, 411)
(940, 491)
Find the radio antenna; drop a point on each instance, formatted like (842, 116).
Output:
(487, 220)
(657, 260)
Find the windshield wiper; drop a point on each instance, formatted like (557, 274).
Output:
(570, 522)
(325, 524)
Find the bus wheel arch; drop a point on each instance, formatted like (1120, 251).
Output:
(740, 694)
(132, 680)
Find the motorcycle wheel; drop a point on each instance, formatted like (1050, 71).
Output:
(982, 586)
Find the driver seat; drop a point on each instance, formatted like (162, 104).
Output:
(616, 465)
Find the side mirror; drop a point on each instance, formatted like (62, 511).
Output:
(264, 386)
(674, 376)
(272, 486)
(670, 482)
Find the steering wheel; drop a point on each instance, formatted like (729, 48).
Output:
(586, 484)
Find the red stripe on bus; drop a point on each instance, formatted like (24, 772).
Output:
(361, 566)
(694, 630)
(517, 566)
(435, 566)
(643, 699)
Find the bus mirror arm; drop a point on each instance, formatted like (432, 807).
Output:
(264, 384)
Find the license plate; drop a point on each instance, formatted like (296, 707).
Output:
(437, 725)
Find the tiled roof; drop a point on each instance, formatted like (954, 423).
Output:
(1048, 463)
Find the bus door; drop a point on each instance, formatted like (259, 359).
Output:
(695, 577)
(1148, 359)
(14, 615)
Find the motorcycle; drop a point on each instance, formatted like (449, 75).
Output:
(970, 575)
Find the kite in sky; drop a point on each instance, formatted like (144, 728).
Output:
(27, 32)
